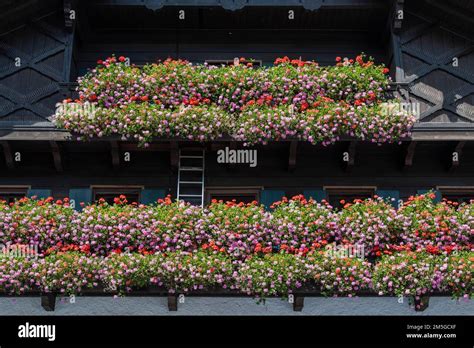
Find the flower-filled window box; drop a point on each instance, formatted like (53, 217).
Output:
(293, 99)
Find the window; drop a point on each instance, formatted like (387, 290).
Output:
(244, 195)
(457, 194)
(339, 196)
(108, 193)
(11, 194)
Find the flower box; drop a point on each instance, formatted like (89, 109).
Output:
(292, 99)
(228, 249)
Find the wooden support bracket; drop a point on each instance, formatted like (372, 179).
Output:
(174, 156)
(7, 152)
(421, 303)
(56, 156)
(232, 146)
(351, 152)
(48, 301)
(456, 155)
(298, 303)
(292, 155)
(172, 302)
(114, 151)
(410, 153)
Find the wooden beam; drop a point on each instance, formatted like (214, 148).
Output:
(456, 155)
(351, 152)
(114, 151)
(409, 154)
(7, 152)
(56, 156)
(292, 155)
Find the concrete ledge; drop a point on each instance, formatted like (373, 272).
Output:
(233, 306)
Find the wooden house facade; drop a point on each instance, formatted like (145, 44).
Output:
(427, 44)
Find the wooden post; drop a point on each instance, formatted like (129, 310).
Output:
(48, 301)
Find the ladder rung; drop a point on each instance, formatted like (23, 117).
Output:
(191, 182)
(192, 148)
(191, 156)
(190, 196)
(191, 169)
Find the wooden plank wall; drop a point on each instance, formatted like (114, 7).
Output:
(29, 91)
(213, 33)
(430, 39)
